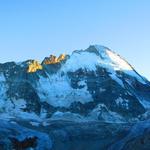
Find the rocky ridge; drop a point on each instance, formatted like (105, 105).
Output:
(92, 86)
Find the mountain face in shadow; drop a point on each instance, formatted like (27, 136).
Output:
(74, 96)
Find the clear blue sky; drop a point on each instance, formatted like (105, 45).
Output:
(37, 28)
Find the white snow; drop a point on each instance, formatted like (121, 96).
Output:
(114, 77)
(19, 104)
(122, 102)
(67, 116)
(12, 108)
(101, 112)
(102, 90)
(117, 61)
(2, 78)
(107, 59)
(57, 91)
(145, 103)
(82, 83)
(83, 60)
(33, 123)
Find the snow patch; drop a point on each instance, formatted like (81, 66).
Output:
(102, 113)
(57, 91)
(122, 102)
(145, 103)
(102, 90)
(114, 77)
(34, 123)
(66, 116)
(82, 83)
(81, 60)
(2, 78)
(118, 62)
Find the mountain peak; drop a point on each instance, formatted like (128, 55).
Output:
(100, 48)
(110, 57)
(97, 49)
(95, 56)
(34, 66)
(52, 59)
(98, 55)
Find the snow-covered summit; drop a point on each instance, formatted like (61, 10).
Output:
(99, 56)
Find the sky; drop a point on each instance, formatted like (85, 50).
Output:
(37, 28)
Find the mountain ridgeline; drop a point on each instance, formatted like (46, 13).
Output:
(92, 99)
(91, 84)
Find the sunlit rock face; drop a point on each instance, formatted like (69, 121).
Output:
(53, 59)
(34, 66)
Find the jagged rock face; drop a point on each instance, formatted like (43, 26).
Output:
(53, 59)
(105, 90)
(34, 66)
(91, 84)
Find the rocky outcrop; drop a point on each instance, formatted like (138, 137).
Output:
(53, 59)
(30, 142)
(34, 66)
